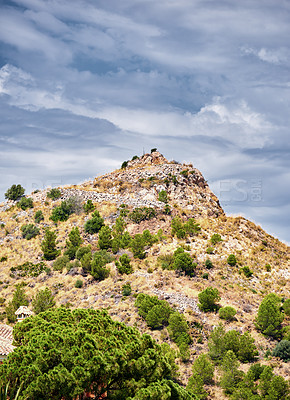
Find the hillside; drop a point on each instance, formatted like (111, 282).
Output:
(173, 191)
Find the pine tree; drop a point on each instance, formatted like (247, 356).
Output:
(48, 245)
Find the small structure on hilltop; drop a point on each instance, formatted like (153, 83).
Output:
(22, 313)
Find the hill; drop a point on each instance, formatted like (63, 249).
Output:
(174, 202)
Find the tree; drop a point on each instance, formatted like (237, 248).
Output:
(158, 316)
(74, 242)
(105, 238)
(269, 317)
(208, 298)
(183, 262)
(282, 350)
(14, 192)
(286, 307)
(19, 299)
(63, 354)
(228, 313)
(231, 375)
(216, 237)
(38, 216)
(137, 246)
(162, 196)
(43, 301)
(88, 206)
(24, 203)
(202, 373)
(54, 194)
(94, 224)
(124, 266)
(48, 245)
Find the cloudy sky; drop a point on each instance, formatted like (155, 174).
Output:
(87, 84)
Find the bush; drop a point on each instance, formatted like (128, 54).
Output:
(246, 270)
(79, 284)
(94, 224)
(210, 250)
(158, 315)
(215, 238)
(124, 266)
(100, 259)
(29, 231)
(183, 262)
(227, 313)
(269, 317)
(208, 263)
(19, 299)
(126, 289)
(81, 251)
(286, 307)
(24, 203)
(14, 192)
(208, 298)
(124, 164)
(105, 238)
(38, 216)
(148, 238)
(28, 269)
(48, 245)
(202, 373)
(73, 243)
(181, 230)
(88, 206)
(282, 350)
(54, 194)
(137, 246)
(231, 260)
(3, 258)
(62, 212)
(142, 214)
(60, 263)
(166, 261)
(162, 196)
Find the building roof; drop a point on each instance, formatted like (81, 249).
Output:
(23, 310)
(6, 339)
(6, 332)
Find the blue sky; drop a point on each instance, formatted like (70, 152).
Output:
(85, 85)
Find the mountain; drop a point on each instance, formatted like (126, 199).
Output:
(150, 192)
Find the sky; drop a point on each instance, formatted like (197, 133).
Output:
(87, 84)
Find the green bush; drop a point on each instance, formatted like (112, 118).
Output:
(29, 231)
(215, 238)
(269, 317)
(54, 194)
(137, 246)
(88, 206)
(286, 307)
(124, 266)
(24, 203)
(48, 245)
(100, 259)
(183, 262)
(60, 263)
(246, 270)
(105, 238)
(210, 250)
(124, 164)
(231, 260)
(19, 299)
(208, 263)
(158, 315)
(228, 313)
(162, 196)
(205, 275)
(14, 192)
(282, 350)
(73, 244)
(43, 301)
(166, 261)
(79, 284)
(126, 289)
(94, 224)
(208, 298)
(148, 238)
(28, 269)
(3, 258)
(181, 230)
(38, 216)
(81, 251)
(202, 373)
(142, 214)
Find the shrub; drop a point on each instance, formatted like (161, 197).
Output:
(178, 328)
(181, 230)
(148, 238)
(269, 317)
(208, 263)
(191, 227)
(24, 203)
(228, 313)
(62, 212)
(162, 196)
(124, 164)
(137, 246)
(153, 150)
(29, 231)
(100, 259)
(43, 301)
(14, 192)
(286, 307)
(38, 216)
(210, 250)
(60, 263)
(28, 269)
(48, 245)
(167, 209)
(282, 350)
(105, 238)
(231, 260)
(202, 373)
(183, 262)
(81, 251)
(54, 194)
(158, 315)
(124, 266)
(205, 275)
(73, 243)
(79, 284)
(88, 206)
(94, 224)
(268, 267)
(208, 298)
(166, 261)
(215, 238)
(141, 214)
(246, 270)
(3, 258)
(19, 299)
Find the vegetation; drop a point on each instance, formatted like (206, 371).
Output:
(216, 238)
(43, 301)
(94, 224)
(269, 316)
(72, 355)
(124, 266)
(19, 299)
(182, 229)
(24, 203)
(231, 260)
(228, 313)
(282, 350)
(29, 231)
(38, 216)
(54, 194)
(88, 206)
(28, 269)
(126, 289)
(183, 262)
(162, 196)
(208, 298)
(73, 244)
(48, 245)
(140, 214)
(14, 192)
